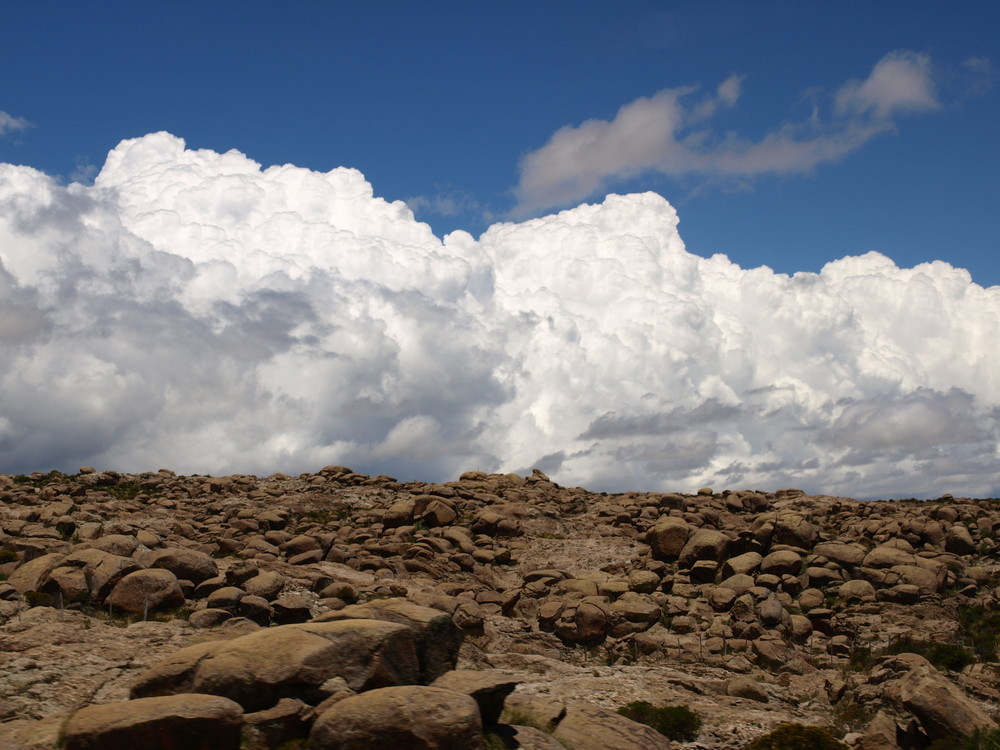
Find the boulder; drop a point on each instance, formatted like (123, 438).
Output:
(959, 541)
(845, 555)
(267, 584)
(400, 717)
(744, 687)
(31, 575)
(488, 689)
(744, 564)
(153, 590)
(882, 733)
(795, 530)
(942, 708)
(667, 537)
(704, 544)
(102, 569)
(186, 564)
(589, 727)
(585, 621)
(886, 556)
(437, 638)
(288, 661)
(192, 721)
(856, 589)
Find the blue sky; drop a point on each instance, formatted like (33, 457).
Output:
(440, 102)
(198, 269)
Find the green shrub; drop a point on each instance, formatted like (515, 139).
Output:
(676, 722)
(941, 655)
(981, 626)
(797, 737)
(982, 739)
(7, 555)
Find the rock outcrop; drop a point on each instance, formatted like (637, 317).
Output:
(355, 611)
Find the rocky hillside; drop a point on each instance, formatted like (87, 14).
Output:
(338, 610)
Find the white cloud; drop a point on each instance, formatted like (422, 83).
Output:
(667, 133)
(193, 310)
(10, 124)
(900, 82)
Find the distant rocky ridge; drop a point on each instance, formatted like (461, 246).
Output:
(337, 610)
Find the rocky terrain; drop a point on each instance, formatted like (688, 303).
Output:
(338, 610)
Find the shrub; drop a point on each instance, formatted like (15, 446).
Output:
(982, 739)
(676, 722)
(981, 625)
(941, 655)
(7, 555)
(797, 737)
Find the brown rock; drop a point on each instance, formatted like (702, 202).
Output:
(744, 564)
(589, 727)
(194, 721)
(266, 585)
(882, 733)
(289, 661)
(781, 562)
(667, 538)
(704, 544)
(30, 575)
(744, 687)
(943, 709)
(400, 717)
(438, 639)
(187, 564)
(488, 689)
(153, 590)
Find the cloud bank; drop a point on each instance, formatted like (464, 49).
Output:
(195, 311)
(669, 133)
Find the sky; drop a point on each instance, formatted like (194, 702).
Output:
(640, 246)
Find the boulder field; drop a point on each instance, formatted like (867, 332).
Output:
(338, 610)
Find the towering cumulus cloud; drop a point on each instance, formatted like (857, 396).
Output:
(192, 310)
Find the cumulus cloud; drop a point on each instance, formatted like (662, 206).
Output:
(668, 133)
(10, 124)
(193, 310)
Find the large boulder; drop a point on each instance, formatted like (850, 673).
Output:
(667, 537)
(942, 708)
(186, 564)
(31, 575)
(589, 727)
(488, 689)
(744, 564)
(436, 636)
(152, 590)
(845, 555)
(400, 717)
(290, 661)
(704, 544)
(781, 562)
(101, 569)
(192, 721)
(794, 529)
(886, 556)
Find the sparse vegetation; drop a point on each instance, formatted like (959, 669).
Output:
(675, 722)
(797, 737)
(981, 626)
(941, 655)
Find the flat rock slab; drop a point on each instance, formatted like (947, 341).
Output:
(290, 661)
(590, 727)
(191, 721)
(400, 717)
